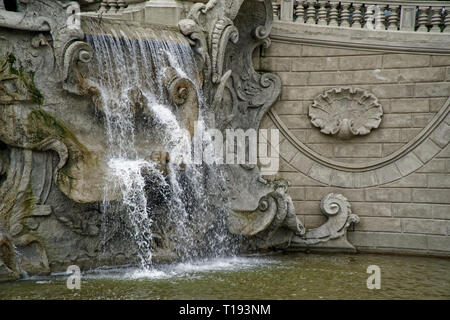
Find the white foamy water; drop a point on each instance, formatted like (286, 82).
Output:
(181, 270)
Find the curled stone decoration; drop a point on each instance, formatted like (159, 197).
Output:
(346, 112)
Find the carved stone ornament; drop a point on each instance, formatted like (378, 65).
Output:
(333, 232)
(346, 112)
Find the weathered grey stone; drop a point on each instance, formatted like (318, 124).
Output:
(409, 105)
(362, 63)
(379, 224)
(405, 61)
(441, 212)
(430, 195)
(424, 226)
(412, 210)
(315, 64)
(408, 164)
(389, 195)
(388, 240)
(427, 150)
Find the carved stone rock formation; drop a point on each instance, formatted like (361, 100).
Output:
(346, 112)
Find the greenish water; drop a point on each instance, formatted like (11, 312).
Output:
(293, 276)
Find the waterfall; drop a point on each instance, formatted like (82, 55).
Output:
(185, 207)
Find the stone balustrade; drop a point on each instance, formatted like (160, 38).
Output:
(415, 16)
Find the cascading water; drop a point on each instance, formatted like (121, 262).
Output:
(186, 207)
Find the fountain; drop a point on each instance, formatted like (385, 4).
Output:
(99, 125)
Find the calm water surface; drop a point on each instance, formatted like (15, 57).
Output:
(293, 276)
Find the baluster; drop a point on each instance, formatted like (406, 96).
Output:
(103, 6)
(357, 16)
(393, 18)
(380, 18)
(447, 21)
(345, 15)
(322, 14)
(300, 12)
(311, 13)
(436, 20)
(121, 4)
(112, 6)
(334, 14)
(276, 10)
(422, 20)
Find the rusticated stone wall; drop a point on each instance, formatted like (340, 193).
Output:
(397, 177)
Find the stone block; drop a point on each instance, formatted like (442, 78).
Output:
(391, 91)
(414, 180)
(388, 240)
(431, 196)
(300, 134)
(434, 166)
(421, 120)
(297, 193)
(293, 78)
(287, 150)
(279, 49)
(296, 121)
(314, 221)
(440, 89)
(408, 164)
(437, 103)
(407, 134)
(318, 193)
(315, 64)
(412, 210)
(302, 163)
(379, 224)
(343, 179)
(440, 60)
(388, 173)
(276, 64)
(389, 195)
(424, 226)
(307, 207)
(389, 148)
(324, 149)
(396, 121)
(361, 63)
(405, 61)
(409, 105)
(427, 150)
(289, 107)
(441, 135)
(317, 51)
(439, 181)
(368, 209)
(357, 150)
(441, 212)
(366, 179)
(300, 179)
(439, 243)
(301, 93)
(320, 173)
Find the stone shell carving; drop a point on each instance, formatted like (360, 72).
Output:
(346, 112)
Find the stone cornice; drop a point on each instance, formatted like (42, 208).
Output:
(365, 39)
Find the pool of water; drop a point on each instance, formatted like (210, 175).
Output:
(290, 276)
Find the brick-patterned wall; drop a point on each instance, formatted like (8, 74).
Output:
(409, 214)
